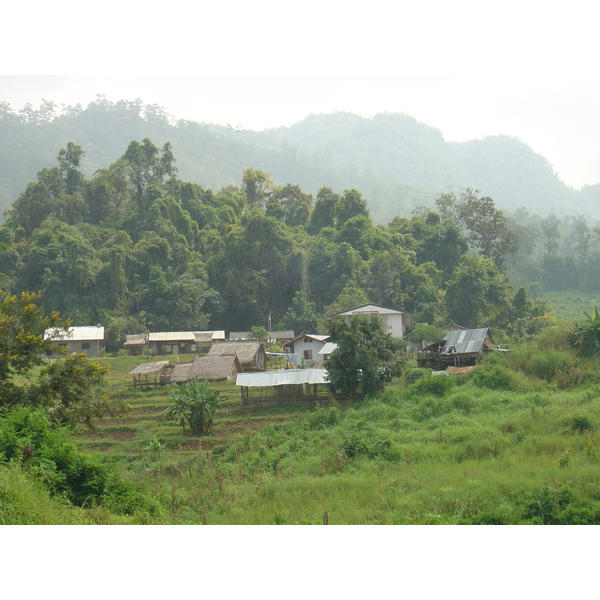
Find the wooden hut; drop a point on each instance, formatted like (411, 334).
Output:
(251, 354)
(213, 368)
(152, 374)
(136, 343)
(460, 348)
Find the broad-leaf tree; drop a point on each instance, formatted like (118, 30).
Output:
(364, 359)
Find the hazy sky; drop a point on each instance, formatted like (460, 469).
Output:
(523, 68)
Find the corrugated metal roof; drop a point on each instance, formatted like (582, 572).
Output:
(76, 334)
(370, 308)
(466, 340)
(172, 336)
(328, 348)
(318, 338)
(288, 377)
(209, 335)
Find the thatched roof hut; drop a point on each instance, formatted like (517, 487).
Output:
(251, 354)
(151, 374)
(213, 368)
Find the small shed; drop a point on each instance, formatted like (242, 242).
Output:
(460, 348)
(213, 368)
(152, 374)
(136, 343)
(251, 354)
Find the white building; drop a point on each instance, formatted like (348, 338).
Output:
(78, 339)
(306, 346)
(394, 322)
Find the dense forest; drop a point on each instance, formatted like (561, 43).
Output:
(395, 161)
(136, 248)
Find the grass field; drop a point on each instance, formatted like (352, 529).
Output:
(570, 305)
(501, 445)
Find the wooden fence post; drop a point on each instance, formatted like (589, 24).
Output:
(325, 518)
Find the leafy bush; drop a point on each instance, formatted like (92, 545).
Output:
(580, 424)
(438, 385)
(416, 373)
(462, 402)
(548, 364)
(497, 377)
(322, 417)
(46, 451)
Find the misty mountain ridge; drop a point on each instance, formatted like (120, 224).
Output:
(396, 162)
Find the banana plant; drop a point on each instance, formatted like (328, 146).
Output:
(194, 405)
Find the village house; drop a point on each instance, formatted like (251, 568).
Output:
(78, 339)
(394, 322)
(251, 354)
(174, 342)
(460, 348)
(213, 368)
(306, 346)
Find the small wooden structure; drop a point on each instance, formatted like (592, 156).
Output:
(251, 354)
(461, 348)
(152, 374)
(136, 343)
(291, 387)
(213, 368)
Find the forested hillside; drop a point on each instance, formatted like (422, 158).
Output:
(395, 161)
(136, 248)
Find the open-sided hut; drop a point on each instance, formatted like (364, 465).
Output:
(293, 386)
(136, 343)
(213, 368)
(152, 374)
(251, 354)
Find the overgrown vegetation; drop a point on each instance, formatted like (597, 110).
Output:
(498, 445)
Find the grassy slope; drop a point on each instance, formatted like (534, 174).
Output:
(570, 305)
(472, 455)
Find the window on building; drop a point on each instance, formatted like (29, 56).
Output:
(85, 345)
(308, 354)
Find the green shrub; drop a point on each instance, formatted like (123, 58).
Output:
(322, 417)
(414, 374)
(437, 385)
(47, 452)
(497, 377)
(462, 402)
(580, 424)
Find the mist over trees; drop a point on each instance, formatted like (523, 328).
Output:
(137, 248)
(395, 161)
